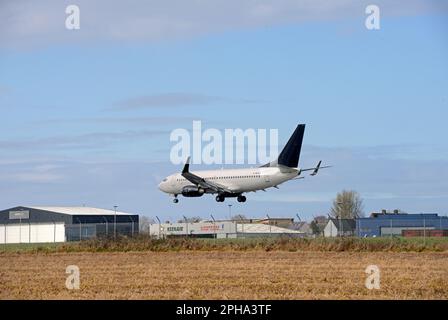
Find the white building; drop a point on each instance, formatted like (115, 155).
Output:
(220, 230)
(58, 224)
(340, 227)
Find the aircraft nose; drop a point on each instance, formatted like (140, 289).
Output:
(162, 186)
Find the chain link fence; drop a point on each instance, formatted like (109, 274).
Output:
(80, 231)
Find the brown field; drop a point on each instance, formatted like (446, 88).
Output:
(224, 275)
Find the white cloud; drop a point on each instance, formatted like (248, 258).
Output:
(174, 99)
(27, 23)
(37, 177)
(177, 99)
(95, 140)
(298, 197)
(40, 173)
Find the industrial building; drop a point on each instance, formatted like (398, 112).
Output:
(58, 224)
(396, 224)
(389, 224)
(220, 230)
(340, 227)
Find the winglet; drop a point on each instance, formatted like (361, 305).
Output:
(186, 166)
(317, 169)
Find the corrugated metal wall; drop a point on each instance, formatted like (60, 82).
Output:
(32, 233)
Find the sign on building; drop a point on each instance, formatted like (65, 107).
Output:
(197, 228)
(18, 215)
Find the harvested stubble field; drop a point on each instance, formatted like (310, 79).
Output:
(223, 274)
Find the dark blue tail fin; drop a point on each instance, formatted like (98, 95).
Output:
(291, 152)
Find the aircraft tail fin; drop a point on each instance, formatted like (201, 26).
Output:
(290, 155)
(186, 166)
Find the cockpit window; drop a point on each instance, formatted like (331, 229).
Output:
(165, 180)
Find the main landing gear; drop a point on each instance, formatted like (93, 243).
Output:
(175, 200)
(220, 198)
(241, 198)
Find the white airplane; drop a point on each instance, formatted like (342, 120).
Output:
(230, 183)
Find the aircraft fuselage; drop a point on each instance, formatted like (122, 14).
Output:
(237, 180)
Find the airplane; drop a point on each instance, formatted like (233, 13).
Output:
(233, 183)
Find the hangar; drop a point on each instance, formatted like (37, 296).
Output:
(58, 224)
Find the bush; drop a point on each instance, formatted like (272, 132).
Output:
(145, 243)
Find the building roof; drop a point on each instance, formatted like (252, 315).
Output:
(263, 228)
(347, 224)
(300, 225)
(401, 216)
(79, 210)
(261, 220)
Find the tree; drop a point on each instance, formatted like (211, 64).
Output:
(190, 220)
(318, 224)
(144, 223)
(347, 205)
(239, 217)
(314, 227)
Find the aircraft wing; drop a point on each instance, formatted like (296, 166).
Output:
(201, 182)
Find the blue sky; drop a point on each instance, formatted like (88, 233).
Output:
(84, 121)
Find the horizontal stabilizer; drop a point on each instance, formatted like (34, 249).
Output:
(315, 169)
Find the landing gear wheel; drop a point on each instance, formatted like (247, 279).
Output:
(241, 199)
(219, 198)
(175, 200)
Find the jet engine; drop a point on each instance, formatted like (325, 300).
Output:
(192, 191)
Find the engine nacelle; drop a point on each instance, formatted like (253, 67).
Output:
(192, 191)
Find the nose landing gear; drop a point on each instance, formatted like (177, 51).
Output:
(175, 200)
